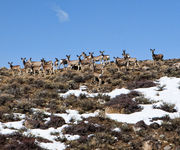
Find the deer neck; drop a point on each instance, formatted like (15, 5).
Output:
(24, 62)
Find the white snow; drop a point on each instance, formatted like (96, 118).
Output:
(170, 94)
(15, 125)
(117, 129)
(77, 93)
(73, 114)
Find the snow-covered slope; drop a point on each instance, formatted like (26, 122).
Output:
(170, 94)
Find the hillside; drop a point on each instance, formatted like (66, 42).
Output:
(137, 108)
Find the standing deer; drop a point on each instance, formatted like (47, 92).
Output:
(47, 68)
(14, 67)
(63, 62)
(35, 69)
(130, 59)
(87, 57)
(35, 63)
(56, 63)
(99, 76)
(72, 63)
(125, 55)
(27, 65)
(95, 58)
(83, 62)
(105, 58)
(120, 62)
(156, 57)
(44, 62)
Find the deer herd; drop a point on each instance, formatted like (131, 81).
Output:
(50, 67)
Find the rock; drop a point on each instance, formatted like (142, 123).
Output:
(162, 136)
(167, 147)
(141, 124)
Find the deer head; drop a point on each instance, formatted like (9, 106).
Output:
(68, 57)
(57, 59)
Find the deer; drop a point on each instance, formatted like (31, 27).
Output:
(95, 58)
(35, 69)
(130, 59)
(87, 57)
(84, 61)
(156, 57)
(35, 63)
(56, 63)
(44, 62)
(105, 58)
(14, 67)
(120, 62)
(125, 55)
(72, 63)
(47, 68)
(63, 62)
(27, 65)
(99, 76)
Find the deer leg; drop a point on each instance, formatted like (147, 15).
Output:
(100, 81)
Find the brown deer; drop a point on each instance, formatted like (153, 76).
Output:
(27, 65)
(56, 63)
(156, 57)
(84, 62)
(87, 57)
(72, 63)
(95, 58)
(120, 62)
(44, 62)
(98, 77)
(47, 68)
(129, 59)
(14, 68)
(35, 63)
(63, 62)
(105, 58)
(35, 69)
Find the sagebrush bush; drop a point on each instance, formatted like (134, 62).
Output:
(143, 100)
(140, 84)
(55, 121)
(125, 102)
(166, 107)
(84, 129)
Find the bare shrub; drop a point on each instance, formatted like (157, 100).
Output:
(143, 100)
(19, 142)
(125, 102)
(55, 121)
(166, 107)
(140, 84)
(84, 129)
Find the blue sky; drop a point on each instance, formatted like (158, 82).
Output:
(54, 28)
